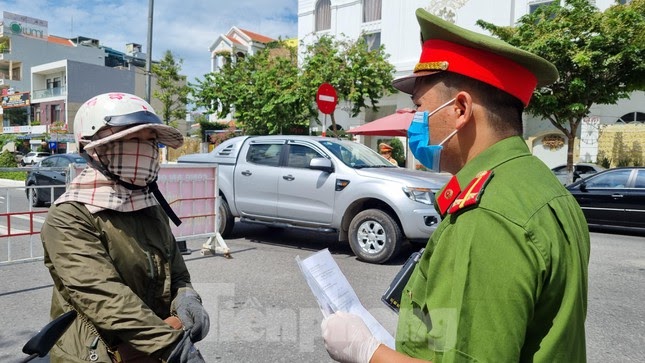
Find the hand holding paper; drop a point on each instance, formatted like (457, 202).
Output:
(347, 338)
(334, 293)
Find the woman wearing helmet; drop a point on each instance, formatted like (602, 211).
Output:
(109, 247)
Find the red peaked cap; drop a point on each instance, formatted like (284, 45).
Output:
(487, 67)
(448, 47)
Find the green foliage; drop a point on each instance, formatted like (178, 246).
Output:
(263, 91)
(599, 56)
(360, 76)
(7, 160)
(603, 160)
(267, 93)
(172, 89)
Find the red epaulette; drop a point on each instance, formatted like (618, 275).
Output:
(448, 195)
(472, 194)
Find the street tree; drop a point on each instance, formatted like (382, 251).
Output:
(267, 93)
(599, 56)
(172, 89)
(262, 92)
(360, 75)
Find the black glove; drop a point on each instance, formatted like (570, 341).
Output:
(187, 305)
(185, 352)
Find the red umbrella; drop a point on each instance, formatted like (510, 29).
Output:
(395, 124)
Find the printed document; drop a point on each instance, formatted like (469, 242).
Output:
(334, 293)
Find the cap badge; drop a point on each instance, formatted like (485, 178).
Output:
(431, 66)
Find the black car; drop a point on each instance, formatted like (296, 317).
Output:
(613, 198)
(51, 171)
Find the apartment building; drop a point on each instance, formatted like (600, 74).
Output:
(45, 78)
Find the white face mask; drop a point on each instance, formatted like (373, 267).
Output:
(133, 161)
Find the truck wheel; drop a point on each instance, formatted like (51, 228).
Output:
(374, 236)
(226, 219)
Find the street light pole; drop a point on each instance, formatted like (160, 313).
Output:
(151, 4)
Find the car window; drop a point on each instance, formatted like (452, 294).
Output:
(264, 154)
(611, 179)
(560, 169)
(640, 179)
(585, 169)
(49, 163)
(62, 162)
(300, 156)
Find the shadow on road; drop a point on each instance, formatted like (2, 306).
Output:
(306, 240)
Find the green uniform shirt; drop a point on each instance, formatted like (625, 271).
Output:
(120, 271)
(504, 280)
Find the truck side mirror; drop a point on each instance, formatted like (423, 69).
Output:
(322, 164)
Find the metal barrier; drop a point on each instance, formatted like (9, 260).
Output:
(190, 189)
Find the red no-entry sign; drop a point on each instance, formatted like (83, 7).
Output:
(326, 98)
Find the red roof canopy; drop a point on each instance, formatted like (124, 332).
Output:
(395, 124)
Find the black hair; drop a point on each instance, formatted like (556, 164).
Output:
(504, 111)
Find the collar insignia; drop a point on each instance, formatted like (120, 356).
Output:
(448, 195)
(471, 195)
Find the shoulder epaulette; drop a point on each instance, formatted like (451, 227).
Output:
(448, 195)
(471, 195)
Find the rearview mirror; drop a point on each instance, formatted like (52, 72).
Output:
(322, 164)
(583, 187)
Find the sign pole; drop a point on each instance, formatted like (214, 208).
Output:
(324, 130)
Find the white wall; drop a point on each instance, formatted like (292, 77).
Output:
(400, 35)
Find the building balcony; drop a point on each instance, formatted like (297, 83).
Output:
(48, 93)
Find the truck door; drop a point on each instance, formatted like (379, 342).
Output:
(305, 194)
(256, 179)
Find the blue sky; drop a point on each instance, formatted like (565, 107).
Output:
(186, 27)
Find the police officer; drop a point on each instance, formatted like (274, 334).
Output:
(504, 276)
(386, 151)
(109, 247)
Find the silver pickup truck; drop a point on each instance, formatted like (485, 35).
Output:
(327, 185)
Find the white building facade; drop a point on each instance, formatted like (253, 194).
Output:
(393, 24)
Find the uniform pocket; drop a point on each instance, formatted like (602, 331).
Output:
(414, 319)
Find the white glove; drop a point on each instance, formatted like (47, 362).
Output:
(348, 339)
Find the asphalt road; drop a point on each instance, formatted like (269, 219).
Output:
(262, 310)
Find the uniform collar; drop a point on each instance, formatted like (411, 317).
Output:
(497, 154)
(476, 173)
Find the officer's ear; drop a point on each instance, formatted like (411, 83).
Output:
(463, 108)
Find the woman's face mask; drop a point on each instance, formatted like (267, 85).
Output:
(419, 139)
(134, 161)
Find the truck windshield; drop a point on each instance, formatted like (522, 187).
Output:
(356, 155)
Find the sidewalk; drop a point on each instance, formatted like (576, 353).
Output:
(11, 183)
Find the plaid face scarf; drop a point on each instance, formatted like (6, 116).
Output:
(134, 161)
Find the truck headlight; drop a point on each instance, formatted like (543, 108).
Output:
(421, 195)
